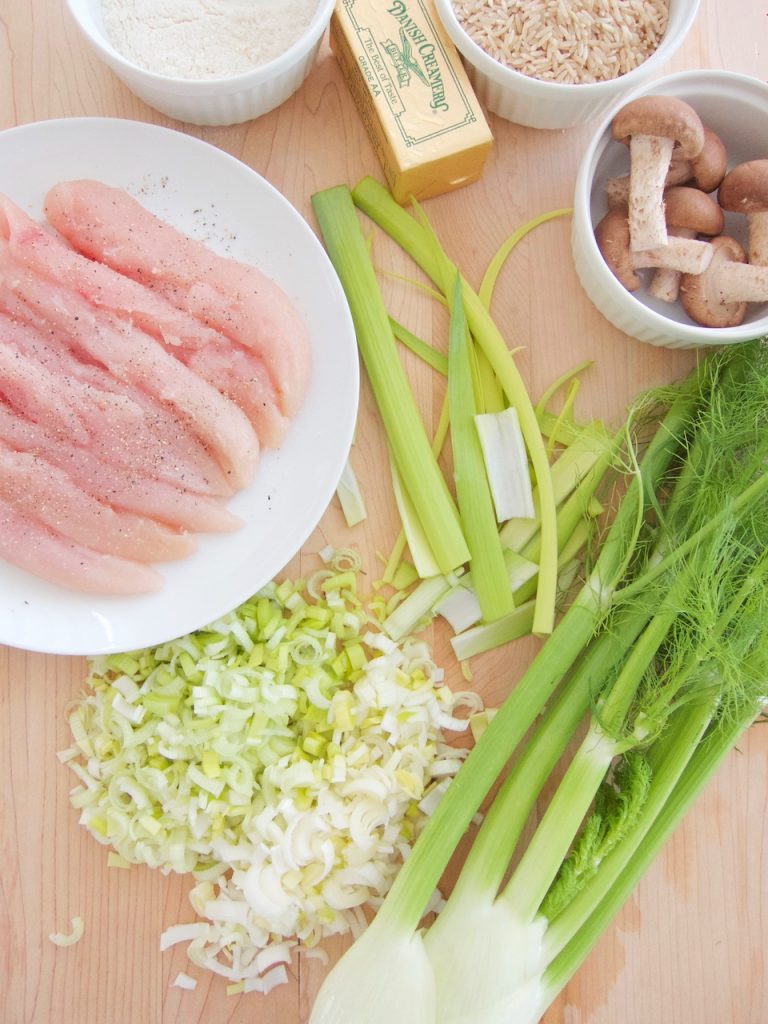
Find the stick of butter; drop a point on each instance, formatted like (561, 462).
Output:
(413, 94)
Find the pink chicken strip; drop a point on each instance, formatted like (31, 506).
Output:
(135, 358)
(33, 487)
(28, 544)
(131, 492)
(108, 225)
(39, 394)
(120, 423)
(233, 369)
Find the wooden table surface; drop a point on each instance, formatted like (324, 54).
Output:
(690, 944)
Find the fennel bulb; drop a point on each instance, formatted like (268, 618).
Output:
(384, 978)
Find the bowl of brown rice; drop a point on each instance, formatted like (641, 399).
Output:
(559, 63)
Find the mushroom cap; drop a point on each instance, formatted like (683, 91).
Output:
(612, 237)
(663, 116)
(692, 210)
(745, 188)
(704, 171)
(700, 295)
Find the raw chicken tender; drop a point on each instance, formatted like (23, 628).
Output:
(132, 492)
(28, 544)
(84, 403)
(137, 359)
(33, 487)
(109, 225)
(233, 369)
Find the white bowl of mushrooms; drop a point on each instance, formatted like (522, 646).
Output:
(669, 238)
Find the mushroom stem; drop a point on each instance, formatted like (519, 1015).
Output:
(719, 296)
(742, 282)
(685, 255)
(649, 162)
(665, 283)
(757, 246)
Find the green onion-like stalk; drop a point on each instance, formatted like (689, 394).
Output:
(422, 246)
(702, 586)
(411, 450)
(489, 571)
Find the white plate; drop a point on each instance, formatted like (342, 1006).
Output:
(214, 197)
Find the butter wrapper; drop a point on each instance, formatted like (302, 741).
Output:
(413, 95)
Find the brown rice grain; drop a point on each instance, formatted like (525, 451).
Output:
(566, 40)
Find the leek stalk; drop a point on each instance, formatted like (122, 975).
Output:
(429, 355)
(422, 246)
(473, 494)
(424, 483)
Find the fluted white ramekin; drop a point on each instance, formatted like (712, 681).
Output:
(212, 101)
(542, 104)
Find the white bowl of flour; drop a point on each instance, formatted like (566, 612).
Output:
(207, 62)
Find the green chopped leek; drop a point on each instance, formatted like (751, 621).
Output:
(431, 356)
(419, 545)
(287, 719)
(489, 280)
(489, 635)
(417, 606)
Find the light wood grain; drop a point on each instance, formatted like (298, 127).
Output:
(690, 944)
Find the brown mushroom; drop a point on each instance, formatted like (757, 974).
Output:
(745, 190)
(612, 236)
(719, 296)
(689, 213)
(653, 125)
(704, 171)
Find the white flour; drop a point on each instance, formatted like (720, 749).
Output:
(204, 38)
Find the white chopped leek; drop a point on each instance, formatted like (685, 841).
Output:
(460, 608)
(350, 496)
(183, 933)
(184, 981)
(114, 860)
(488, 635)
(287, 755)
(78, 929)
(506, 463)
(418, 606)
(265, 984)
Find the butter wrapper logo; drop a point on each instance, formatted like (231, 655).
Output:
(402, 53)
(405, 64)
(402, 60)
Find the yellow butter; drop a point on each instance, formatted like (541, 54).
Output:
(414, 97)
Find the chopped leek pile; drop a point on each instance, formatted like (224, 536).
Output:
(286, 755)
(660, 664)
(500, 443)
